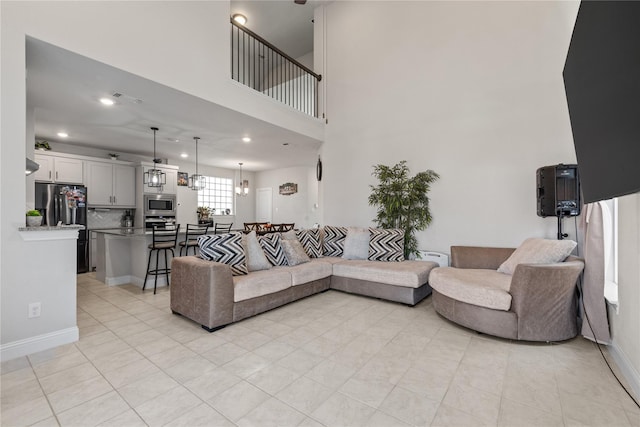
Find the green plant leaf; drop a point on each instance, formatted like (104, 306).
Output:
(402, 201)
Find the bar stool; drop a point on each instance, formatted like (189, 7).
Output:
(164, 239)
(191, 237)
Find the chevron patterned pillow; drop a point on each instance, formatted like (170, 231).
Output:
(310, 239)
(334, 240)
(226, 249)
(386, 245)
(272, 248)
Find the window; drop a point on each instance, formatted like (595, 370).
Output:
(217, 195)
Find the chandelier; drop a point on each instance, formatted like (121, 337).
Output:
(196, 181)
(154, 177)
(242, 189)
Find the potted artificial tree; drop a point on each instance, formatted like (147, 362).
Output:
(34, 218)
(402, 201)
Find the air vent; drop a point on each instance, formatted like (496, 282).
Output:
(126, 97)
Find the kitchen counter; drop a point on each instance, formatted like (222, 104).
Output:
(123, 232)
(122, 255)
(53, 227)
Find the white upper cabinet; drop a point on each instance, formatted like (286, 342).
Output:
(59, 169)
(110, 184)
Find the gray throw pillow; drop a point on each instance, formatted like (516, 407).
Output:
(256, 260)
(538, 251)
(294, 252)
(356, 244)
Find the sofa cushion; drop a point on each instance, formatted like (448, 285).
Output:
(316, 269)
(484, 288)
(386, 244)
(311, 241)
(334, 240)
(356, 244)
(538, 251)
(272, 248)
(256, 260)
(294, 252)
(226, 249)
(258, 283)
(410, 274)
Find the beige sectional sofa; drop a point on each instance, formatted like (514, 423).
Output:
(207, 292)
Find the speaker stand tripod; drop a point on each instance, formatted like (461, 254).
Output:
(561, 235)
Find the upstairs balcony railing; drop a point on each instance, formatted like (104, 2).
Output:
(260, 65)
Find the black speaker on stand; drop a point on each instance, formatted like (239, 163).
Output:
(558, 193)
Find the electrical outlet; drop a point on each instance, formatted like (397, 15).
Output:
(34, 310)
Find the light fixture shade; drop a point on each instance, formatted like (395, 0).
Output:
(154, 177)
(242, 189)
(197, 182)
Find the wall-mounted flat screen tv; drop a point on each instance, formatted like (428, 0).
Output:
(602, 84)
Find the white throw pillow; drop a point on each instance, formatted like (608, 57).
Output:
(538, 251)
(256, 259)
(356, 244)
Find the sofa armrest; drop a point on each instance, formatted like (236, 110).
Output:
(544, 298)
(479, 257)
(202, 291)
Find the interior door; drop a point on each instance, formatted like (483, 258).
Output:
(264, 202)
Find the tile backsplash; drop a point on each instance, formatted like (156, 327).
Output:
(105, 218)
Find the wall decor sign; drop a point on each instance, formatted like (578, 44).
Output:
(288, 188)
(183, 179)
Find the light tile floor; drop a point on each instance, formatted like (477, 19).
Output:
(333, 359)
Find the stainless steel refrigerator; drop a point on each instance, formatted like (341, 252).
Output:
(66, 204)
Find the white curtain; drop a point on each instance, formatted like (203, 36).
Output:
(598, 235)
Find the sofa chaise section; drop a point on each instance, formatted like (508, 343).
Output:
(404, 282)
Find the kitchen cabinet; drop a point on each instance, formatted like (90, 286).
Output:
(171, 187)
(59, 169)
(110, 184)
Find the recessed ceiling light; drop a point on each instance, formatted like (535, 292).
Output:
(63, 134)
(239, 18)
(184, 155)
(107, 101)
(246, 139)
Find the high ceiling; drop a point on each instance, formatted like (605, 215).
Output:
(63, 89)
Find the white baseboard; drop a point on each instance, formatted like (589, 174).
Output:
(628, 370)
(120, 280)
(162, 282)
(38, 343)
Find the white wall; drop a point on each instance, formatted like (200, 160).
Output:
(472, 90)
(298, 207)
(625, 326)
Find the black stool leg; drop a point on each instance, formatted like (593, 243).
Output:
(147, 274)
(166, 267)
(155, 281)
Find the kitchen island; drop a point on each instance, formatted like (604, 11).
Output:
(122, 256)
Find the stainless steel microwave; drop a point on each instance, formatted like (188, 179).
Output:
(159, 204)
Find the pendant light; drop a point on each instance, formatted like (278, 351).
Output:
(154, 177)
(196, 181)
(242, 189)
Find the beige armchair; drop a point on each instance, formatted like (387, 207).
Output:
(536, 303)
